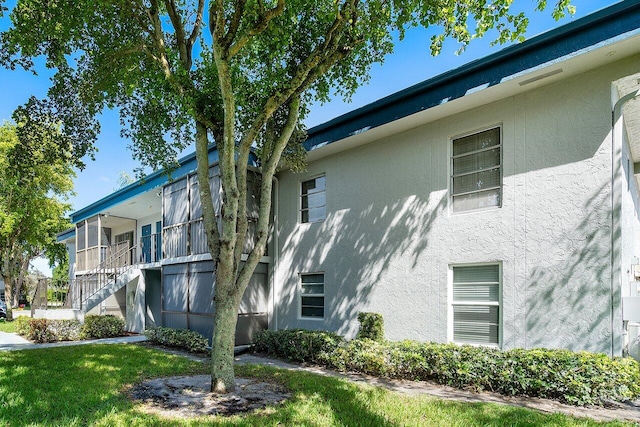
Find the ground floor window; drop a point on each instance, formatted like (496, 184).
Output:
(312, 295)
(476, 304)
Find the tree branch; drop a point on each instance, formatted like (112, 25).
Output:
(268, 171)
(197, 25)
(178, 26)
(234, 24)
(321, 58)
(208, 209)
(264, 21)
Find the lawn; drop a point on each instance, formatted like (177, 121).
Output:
(83, 385)
(7, 326)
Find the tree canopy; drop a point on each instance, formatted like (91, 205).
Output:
(35, 181)
(237, 73)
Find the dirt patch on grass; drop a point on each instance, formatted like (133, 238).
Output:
(189, 396)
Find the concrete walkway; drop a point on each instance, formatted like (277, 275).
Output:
(9, 342)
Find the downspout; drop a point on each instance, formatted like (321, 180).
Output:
(276, 252)
(616, 150)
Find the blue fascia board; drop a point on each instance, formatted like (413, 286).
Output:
(66, 234)
(154, 180)
(620, 20)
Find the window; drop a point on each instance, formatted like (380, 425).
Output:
(80, 236)
(313, 200)
(476, 304)
(92, 232)
(476, 179)
(312, 295)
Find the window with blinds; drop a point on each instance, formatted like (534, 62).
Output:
(312, 295)
(313, 200)
(476, 179)
(476, 304)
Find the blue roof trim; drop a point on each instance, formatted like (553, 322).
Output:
(66, 234)
(596, 28)
(149, 182)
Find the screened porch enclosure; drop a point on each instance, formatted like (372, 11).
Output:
(188, 281)
(103, 237)
(187, 300)
(182, 226)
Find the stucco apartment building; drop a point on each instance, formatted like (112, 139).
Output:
(495, 204)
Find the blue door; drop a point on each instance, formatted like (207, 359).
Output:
(158, 241)
(146, 243)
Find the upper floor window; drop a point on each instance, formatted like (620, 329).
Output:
(476, 178)
(313, 200)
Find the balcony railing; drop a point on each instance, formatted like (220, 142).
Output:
(90, 258)
(151, 248)
(189, 238)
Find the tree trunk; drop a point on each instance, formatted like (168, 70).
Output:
(225, 320)
(8, 296)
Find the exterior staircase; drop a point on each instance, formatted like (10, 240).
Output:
(111, 275)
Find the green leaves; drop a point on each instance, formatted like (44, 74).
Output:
(154, 63)
(36, 170)
(178, 338)
(577, 378)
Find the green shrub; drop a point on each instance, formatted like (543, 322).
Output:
(65, 329)
(578, 378)
(371, 326)
(46, 330)
(107, 326)
(178, 338)
(22, 325)
(297, 344)
(39, 331)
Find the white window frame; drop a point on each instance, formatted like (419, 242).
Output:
(451, 303)
(501, 168)
(301, 295)
(301, 209)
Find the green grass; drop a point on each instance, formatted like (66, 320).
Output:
(7, 326)
(83, 385)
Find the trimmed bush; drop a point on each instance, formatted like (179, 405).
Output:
(22, 325)
(297, 344)
(39, 331)
(45, 330)
(107, 326)
(66, 329)
(178, 338)
(371, 326)
(578, 378)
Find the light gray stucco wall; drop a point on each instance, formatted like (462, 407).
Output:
(389, 239)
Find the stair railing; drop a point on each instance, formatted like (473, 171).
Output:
(120, 260)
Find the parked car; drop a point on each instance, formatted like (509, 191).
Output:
(3, 309)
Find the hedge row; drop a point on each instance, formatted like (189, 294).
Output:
(578, 378)
(48, 330)
(297, 344)
(178, 338)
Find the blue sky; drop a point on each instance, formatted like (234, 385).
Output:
(411, 63)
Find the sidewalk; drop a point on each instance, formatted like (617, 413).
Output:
(10, 342)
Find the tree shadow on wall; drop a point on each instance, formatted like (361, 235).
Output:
(568, 302)
(358, 250)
